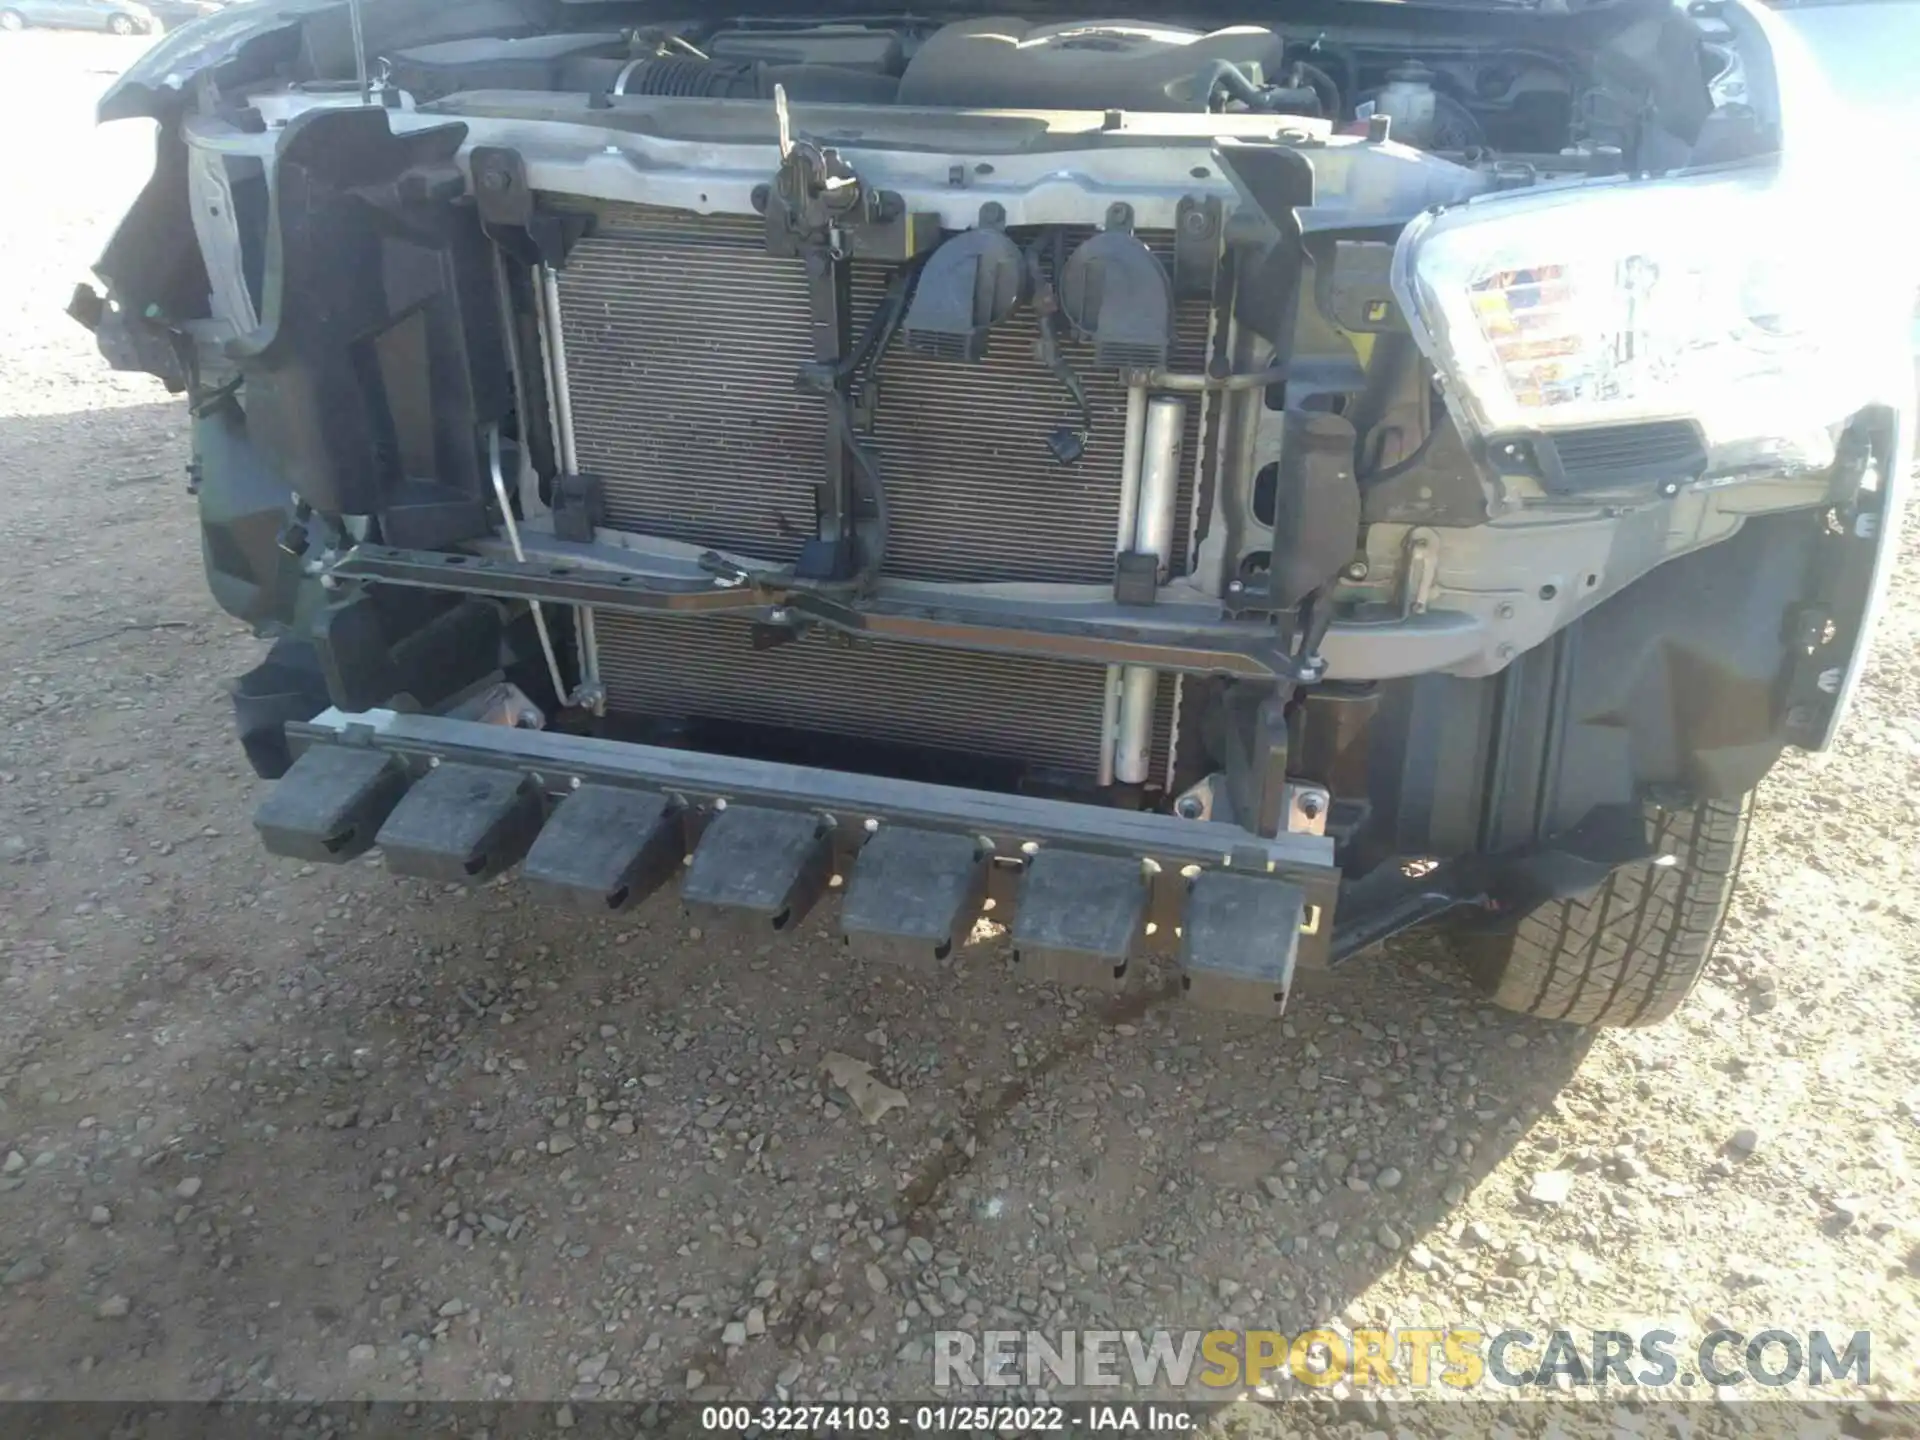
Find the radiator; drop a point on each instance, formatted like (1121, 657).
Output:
(683, 340)
(1044, 714)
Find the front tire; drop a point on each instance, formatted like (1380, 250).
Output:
(120, 25)
(1629, 953)
(12, 20)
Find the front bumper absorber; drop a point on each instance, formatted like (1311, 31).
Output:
(597, 826)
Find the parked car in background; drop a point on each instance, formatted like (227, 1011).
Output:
(122, 17)
(172, 14)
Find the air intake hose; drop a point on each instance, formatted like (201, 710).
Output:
(688, 77)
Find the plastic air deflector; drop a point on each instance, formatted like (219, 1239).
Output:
(605, 849)
(463, 823)
(1079, 916)
(770, 863)
(1240, 937)
(914, 894)
(331, 803)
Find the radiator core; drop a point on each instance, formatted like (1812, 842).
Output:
(1043, 714)
(684, 339)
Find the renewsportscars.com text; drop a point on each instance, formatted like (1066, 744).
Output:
(1458, 1358)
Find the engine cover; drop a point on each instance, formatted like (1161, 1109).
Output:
(1014, 64)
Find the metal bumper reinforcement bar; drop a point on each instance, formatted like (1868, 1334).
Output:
(598, 825)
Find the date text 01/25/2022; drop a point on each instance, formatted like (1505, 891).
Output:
(938, 1419)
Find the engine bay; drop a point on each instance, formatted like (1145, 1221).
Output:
(1644, 82)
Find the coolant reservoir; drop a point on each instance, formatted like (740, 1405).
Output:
(1408, 100)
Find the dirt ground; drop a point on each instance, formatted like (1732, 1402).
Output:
(270, 1132)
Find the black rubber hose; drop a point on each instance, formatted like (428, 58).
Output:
(1312, 77)
(1224, 75)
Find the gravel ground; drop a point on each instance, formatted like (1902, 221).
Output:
(269, 1132)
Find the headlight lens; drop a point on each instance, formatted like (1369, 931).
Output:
(1711, 299)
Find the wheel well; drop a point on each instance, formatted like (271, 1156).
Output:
(1672, 688)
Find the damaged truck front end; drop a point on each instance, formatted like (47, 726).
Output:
(1224, 490)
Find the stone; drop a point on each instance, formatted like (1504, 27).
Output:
(1551, 1187)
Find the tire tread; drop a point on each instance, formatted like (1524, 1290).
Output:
(1630, 952)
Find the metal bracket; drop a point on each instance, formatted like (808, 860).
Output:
(511, 219)
(1197, 226)
(1422, 571)
(579, 507)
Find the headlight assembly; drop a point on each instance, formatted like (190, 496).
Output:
(1715, 299)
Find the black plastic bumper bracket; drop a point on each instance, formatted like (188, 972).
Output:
(1239, 941)
(1079, 917)
(606, 849)
(463, 823)
(331, 803)
(771, 863)
(914, 894)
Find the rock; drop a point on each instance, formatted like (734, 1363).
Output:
(114, 1307)
(100, 1215)
(734, 1333)
(588, 1371)
(876, 1279)
(28, 1267)
(189, 1187)
(1420, 1257)
(1743, 1142)
(340, 1119)
(1388, 1237)
(362, 1355)
(921, 1249)
(559, 1144)
(871, 1097)
(13, 1164)
(1388, 1179)
(452, 1308)
(756, 1323)
(563, 1418)
(1476, 1234)
(1335, 1164)
(1551, 1187)
(695, 1379)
